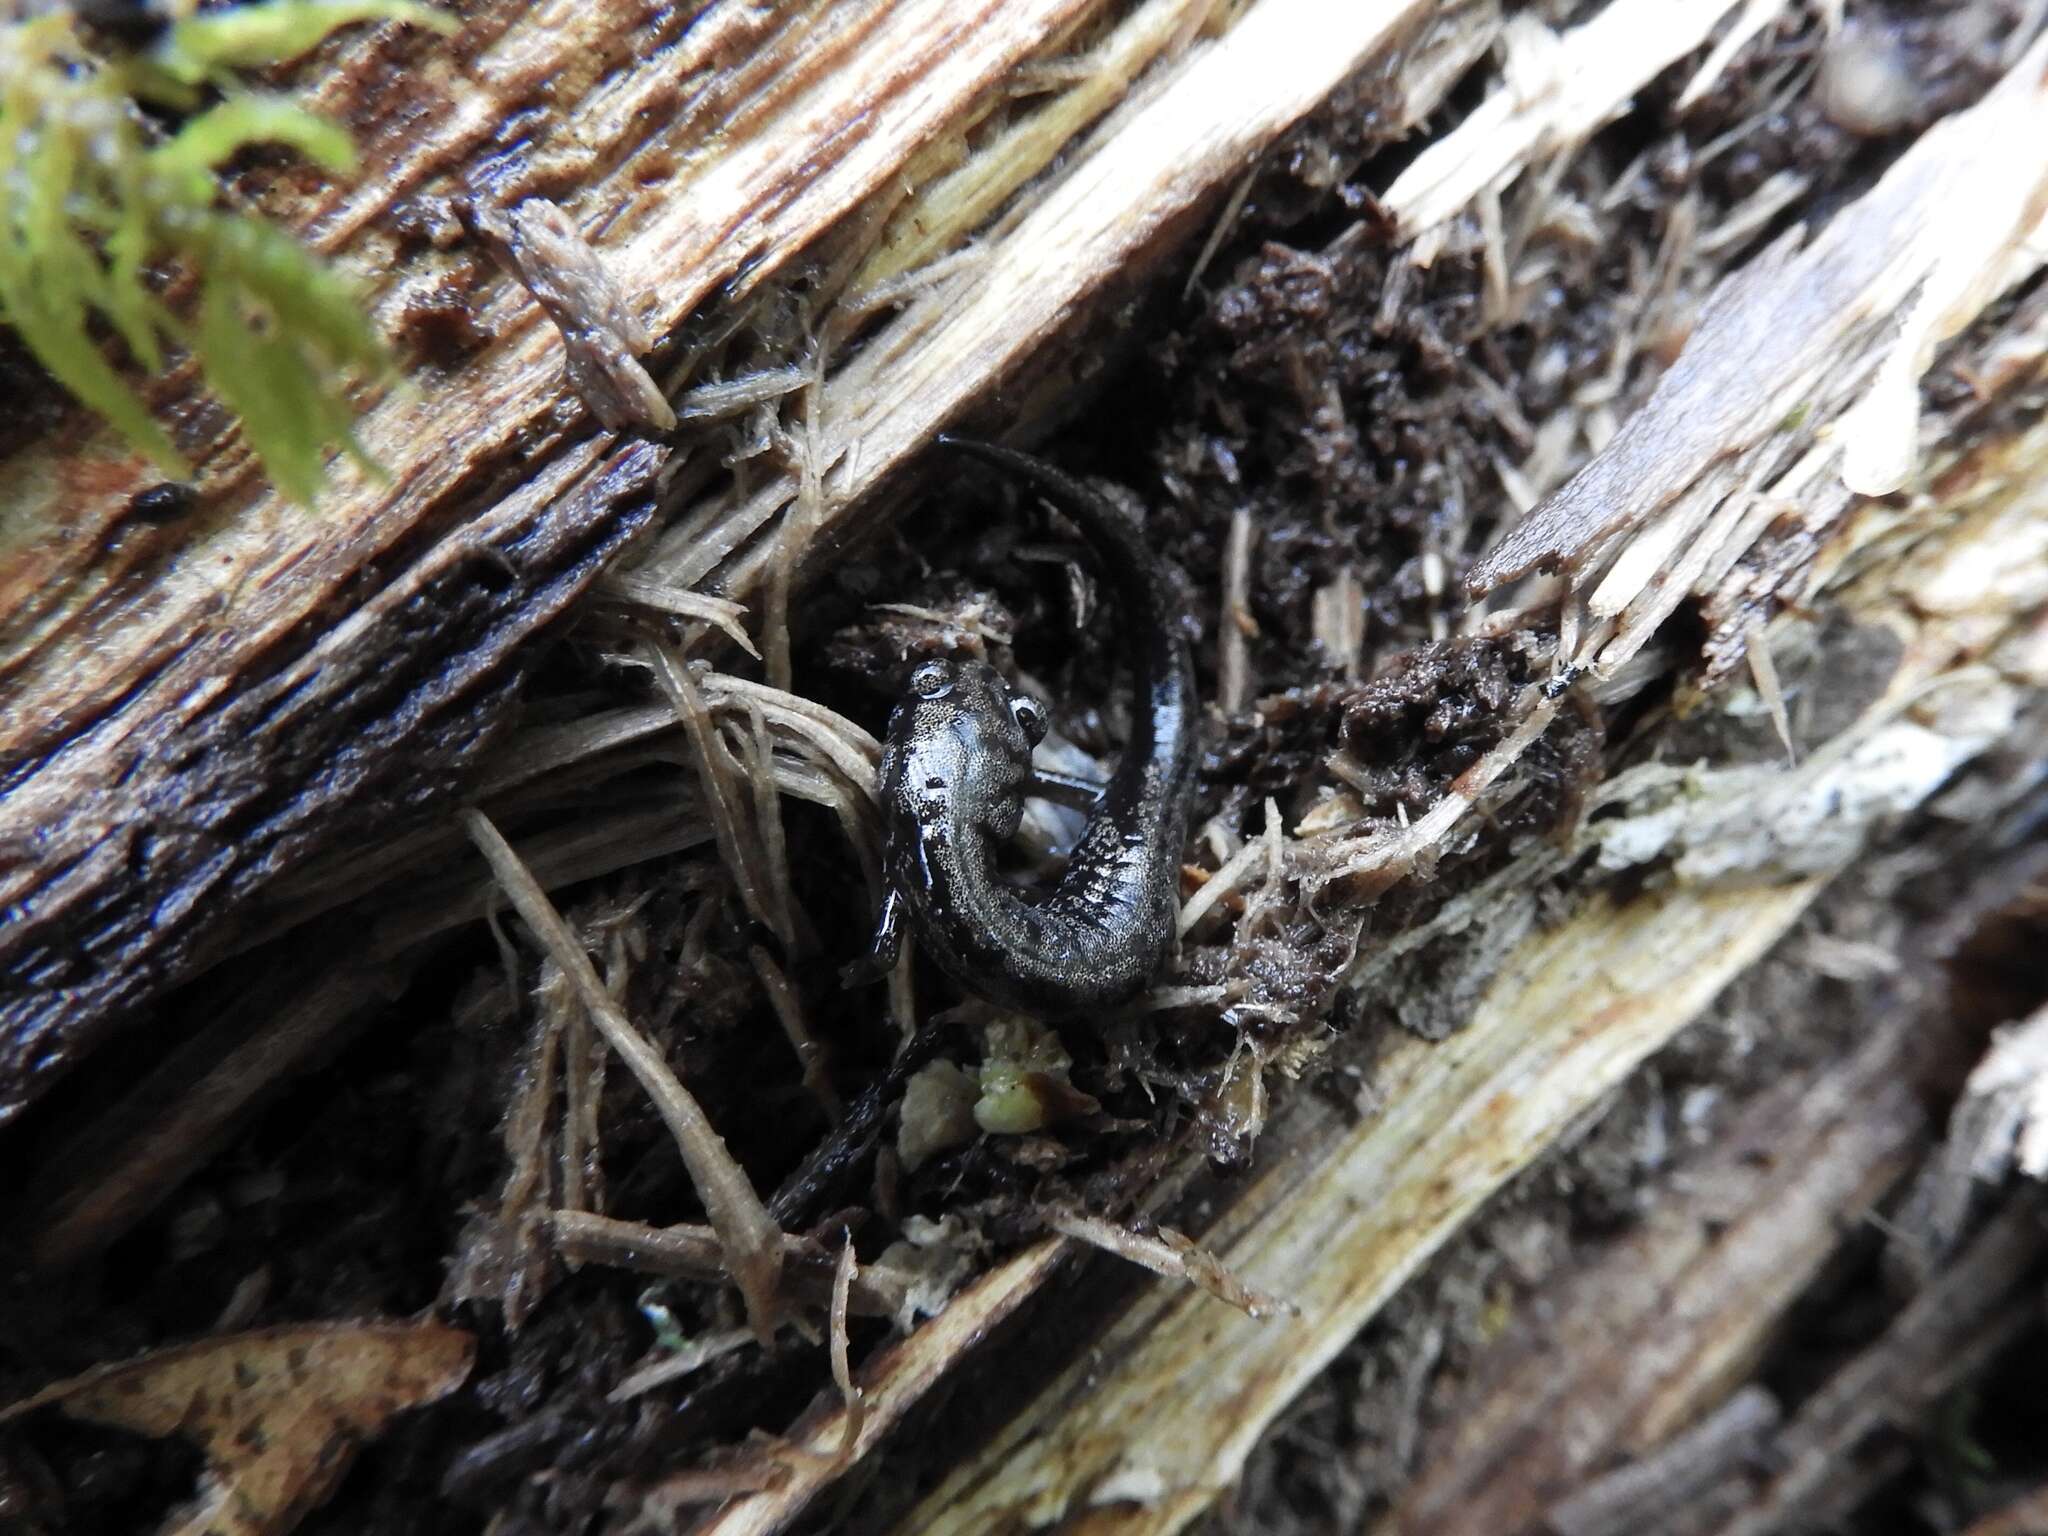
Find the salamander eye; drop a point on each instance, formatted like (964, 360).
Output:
(1029, 717)
(931, 680)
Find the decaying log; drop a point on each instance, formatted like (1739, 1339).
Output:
(227, 737)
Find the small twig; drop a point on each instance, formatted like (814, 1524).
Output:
(687, 1361)
(664, 597)
(905, 286)
(1376, 860)
(759, 757)
(810, 1054)
(800, 519)
(691, 1252)
(716, 772)
(1225, 882)
(525, 1135)
(1172, 1255)
(735, 397)
(751, 1240)
(583, 1060)
(1337, 619)
(842, 1368)
(1235, 627)
(1220, 231)
(836, 739)
(1764, 672)
(660, 1506)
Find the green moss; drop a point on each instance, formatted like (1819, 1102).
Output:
(92, 197)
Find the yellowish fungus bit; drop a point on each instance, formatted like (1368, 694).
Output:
(1024, 1083)
(92, 196)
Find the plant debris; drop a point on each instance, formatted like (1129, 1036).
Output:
(603, 338)
(278, 1412)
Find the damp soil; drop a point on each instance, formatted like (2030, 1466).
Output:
(1358, 410)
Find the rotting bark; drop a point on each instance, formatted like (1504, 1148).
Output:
(332, 725)
(1551, 903)
(1663, 1320)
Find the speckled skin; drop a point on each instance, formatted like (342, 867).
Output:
(954, 776)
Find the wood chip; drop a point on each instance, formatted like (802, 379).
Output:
(279, 1412)
(539, 245)
(1557, 89)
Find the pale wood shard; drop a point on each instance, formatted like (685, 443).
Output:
(1798, 385)
(965, 198)
(1556, 89)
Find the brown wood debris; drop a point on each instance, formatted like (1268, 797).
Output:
(279, 1412)
(1656, 1326)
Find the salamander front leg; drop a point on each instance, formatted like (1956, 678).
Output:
(1068, 789)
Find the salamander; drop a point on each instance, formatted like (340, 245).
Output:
(957, 766)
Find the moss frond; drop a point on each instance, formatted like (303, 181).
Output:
(92, 196)
(205, 47)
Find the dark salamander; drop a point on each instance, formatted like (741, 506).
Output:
(957, 767)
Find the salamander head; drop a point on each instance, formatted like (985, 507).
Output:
(959, 747)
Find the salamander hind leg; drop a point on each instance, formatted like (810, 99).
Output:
(883, 949)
